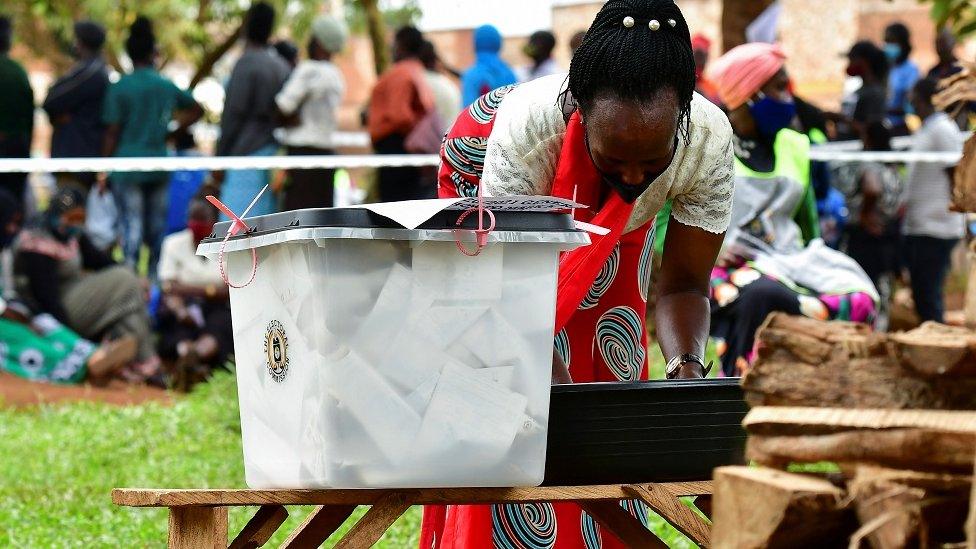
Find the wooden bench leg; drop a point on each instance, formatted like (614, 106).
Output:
(625, 526)
(375, 522)
(323, 521)
(197, 527)
(679, 515)
(261, 527)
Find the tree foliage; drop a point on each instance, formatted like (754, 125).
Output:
(196, 32)
(959, 15)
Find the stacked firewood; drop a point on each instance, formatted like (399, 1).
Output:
(892, 416)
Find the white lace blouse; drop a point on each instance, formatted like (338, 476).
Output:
(524, 145)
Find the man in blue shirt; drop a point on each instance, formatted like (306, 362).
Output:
(903, 76)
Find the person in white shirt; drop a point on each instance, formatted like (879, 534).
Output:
(931, 230)
(539, 48)
(310, 101)
(194, 316)
(446, 92)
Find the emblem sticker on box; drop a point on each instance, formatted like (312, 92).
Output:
(276, 351)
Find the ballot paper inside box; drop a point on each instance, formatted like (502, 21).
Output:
(372, 353)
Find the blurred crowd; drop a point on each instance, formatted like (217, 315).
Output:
(104, 281)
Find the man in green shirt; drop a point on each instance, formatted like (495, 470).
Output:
(16, 112)
(137, 112)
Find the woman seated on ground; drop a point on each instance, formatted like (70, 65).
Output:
(772, 258)
(194, 317)
(39, 347)
(60, 272)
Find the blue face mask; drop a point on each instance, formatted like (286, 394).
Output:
(893, 51)
(772, 115)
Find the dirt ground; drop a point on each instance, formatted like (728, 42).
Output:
(19, 393)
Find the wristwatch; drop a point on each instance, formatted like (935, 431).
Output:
(674, 365)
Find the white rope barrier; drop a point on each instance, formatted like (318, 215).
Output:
(210, 163)
(826, 153)
(904, 157)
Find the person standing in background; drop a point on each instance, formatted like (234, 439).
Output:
(904, 74)
(288, 51)
(489, 71)
(16, 112)
(250, 114)
(575, 42)
(447, 96)
(700, 47)
(137, 112)
(400, 100)
(539, 48)
(869, 103)
(74, 103)
(945, 47)
(931, 230)
(313, 94)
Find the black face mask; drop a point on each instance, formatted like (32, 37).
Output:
(629, 193)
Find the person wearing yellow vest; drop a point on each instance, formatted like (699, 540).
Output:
(772, 258)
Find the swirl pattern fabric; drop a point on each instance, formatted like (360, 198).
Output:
(523, 526)
(618, 337)
(600, 283)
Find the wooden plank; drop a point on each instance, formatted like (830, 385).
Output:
(321, 523)
(759, 507)
(432, 496)
(896, 448)
(376, 522)
(630, 530)
(680, 516)
(790, 420)
(198, 528)
(261, 527)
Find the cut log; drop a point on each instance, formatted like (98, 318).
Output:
(902, 439)
(900, 448)
(937, 350)
(900, 509)
(804, 362)
(759, 507)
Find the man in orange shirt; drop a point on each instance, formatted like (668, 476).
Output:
(399, 102)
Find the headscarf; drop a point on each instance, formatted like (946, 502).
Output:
(65, 199)
(330, 33)
(489, 71)
(743, 71)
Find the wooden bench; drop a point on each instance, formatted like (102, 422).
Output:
(198, 518)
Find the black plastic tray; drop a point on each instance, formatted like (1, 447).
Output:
(653, 431)
(363, 218)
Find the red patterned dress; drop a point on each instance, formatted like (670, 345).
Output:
(600, 330)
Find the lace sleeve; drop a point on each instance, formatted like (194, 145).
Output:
(707, 201)
(524, 145)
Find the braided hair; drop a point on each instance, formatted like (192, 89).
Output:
(635, 62)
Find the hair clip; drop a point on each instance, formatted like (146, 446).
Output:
(673, 23)
(654, 24)
(628, 21)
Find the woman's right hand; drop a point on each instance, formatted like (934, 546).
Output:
(560, 372)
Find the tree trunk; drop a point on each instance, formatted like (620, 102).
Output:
(377, 34)
(736, 17)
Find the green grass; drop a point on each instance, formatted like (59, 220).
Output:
(58, 465)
